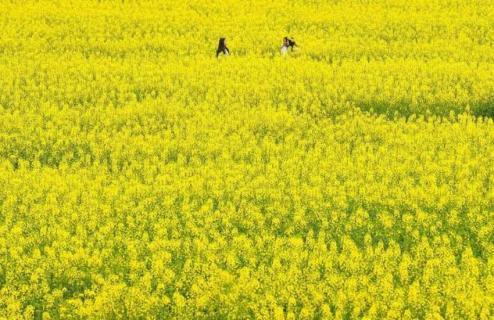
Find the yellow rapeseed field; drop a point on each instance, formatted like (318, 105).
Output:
(141, 177)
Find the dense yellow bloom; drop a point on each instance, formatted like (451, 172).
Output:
(142, 178)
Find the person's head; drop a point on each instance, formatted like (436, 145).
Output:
(285, 41)
(222, 43)
(291, 43)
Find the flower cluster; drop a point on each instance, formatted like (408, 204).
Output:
(142, 178)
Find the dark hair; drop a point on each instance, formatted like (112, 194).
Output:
(222, 47)
(291, 42)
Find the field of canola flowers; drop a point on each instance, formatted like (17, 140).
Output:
(141, 178)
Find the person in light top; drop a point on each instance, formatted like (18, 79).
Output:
(222, 48)
(287, 44)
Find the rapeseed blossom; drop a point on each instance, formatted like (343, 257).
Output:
(141, 177)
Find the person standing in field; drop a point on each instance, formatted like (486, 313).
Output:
(222, 48)
(287, 44)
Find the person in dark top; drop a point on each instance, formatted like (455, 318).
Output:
(287, 43)
(222, 48)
